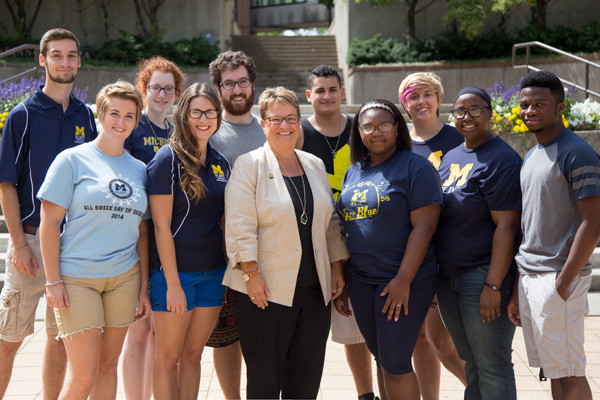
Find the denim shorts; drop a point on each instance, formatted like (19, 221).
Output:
(202, 289)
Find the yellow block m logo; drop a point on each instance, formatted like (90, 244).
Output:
(458, 175)
(80, 131)
(217, 169)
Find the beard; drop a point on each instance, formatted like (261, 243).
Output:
(62, 79)
(238, 109)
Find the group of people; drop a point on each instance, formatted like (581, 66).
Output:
(256, 235)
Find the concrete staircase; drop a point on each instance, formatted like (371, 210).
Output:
(287, 60)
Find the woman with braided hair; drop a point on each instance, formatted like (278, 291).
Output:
(389, 206)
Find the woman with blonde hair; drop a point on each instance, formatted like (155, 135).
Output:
(421, 95)
(285, 252)
(186, 186)
(95, 262)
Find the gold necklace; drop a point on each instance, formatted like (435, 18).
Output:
(303, 216)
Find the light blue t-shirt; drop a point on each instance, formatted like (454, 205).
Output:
(105, 198)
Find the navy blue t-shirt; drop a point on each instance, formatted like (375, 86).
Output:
(147, 138)
(196, 227)
(375, 206)
(474, 181)
(34, 133)
(438, 146)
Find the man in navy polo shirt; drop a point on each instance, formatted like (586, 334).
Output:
(48, 122)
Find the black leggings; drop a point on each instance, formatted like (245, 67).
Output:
(392, 343)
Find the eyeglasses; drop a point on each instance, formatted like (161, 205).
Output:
(230, 85)
(277, 120)
(197, 114)
(385, 127)
(169, 90)
(474, 111)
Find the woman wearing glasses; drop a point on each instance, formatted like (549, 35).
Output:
(285, 251)
(160, 81)
(389, 205)
(475, 244)
(186, 186)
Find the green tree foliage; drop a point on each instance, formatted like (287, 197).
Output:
(469, 15)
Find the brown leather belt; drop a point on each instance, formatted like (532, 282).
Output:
(30, 229)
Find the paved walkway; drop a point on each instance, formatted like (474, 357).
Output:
(337, 380)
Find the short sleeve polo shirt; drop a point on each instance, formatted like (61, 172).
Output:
(35, 131)
(196, 226)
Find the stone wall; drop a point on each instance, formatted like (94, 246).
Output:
(382, 81)
(94, 24)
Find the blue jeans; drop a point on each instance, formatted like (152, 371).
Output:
(486, 347)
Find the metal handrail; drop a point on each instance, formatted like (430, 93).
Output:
(588, 63)
(18, 49)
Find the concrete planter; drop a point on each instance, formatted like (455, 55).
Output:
(522, 143)
(382, 81)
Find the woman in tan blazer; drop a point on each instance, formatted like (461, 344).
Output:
(284, 247)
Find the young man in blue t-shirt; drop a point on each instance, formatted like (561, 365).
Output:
(48, 122)
(560, 182)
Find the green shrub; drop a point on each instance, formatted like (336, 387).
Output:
(127, 50)
(380, 50)
(453, 45)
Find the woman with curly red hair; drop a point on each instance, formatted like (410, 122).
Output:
(160, 82)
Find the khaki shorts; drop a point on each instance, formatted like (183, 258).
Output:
(344, 330)
(20, 297)
(553, 328)
(99, 302)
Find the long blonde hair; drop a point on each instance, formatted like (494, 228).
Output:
(184, 143)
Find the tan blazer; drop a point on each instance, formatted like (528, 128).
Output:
(261, 226)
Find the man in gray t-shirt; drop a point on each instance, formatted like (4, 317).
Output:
(233, 74)
(234, 139)
(560, 182)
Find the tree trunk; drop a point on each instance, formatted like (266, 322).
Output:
(140, 19)
(19, 18)
(541, 13)
(412, 5)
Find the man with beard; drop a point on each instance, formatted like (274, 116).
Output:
(48, 122)
(233, 74)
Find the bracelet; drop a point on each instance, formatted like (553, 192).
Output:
(54, 283)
